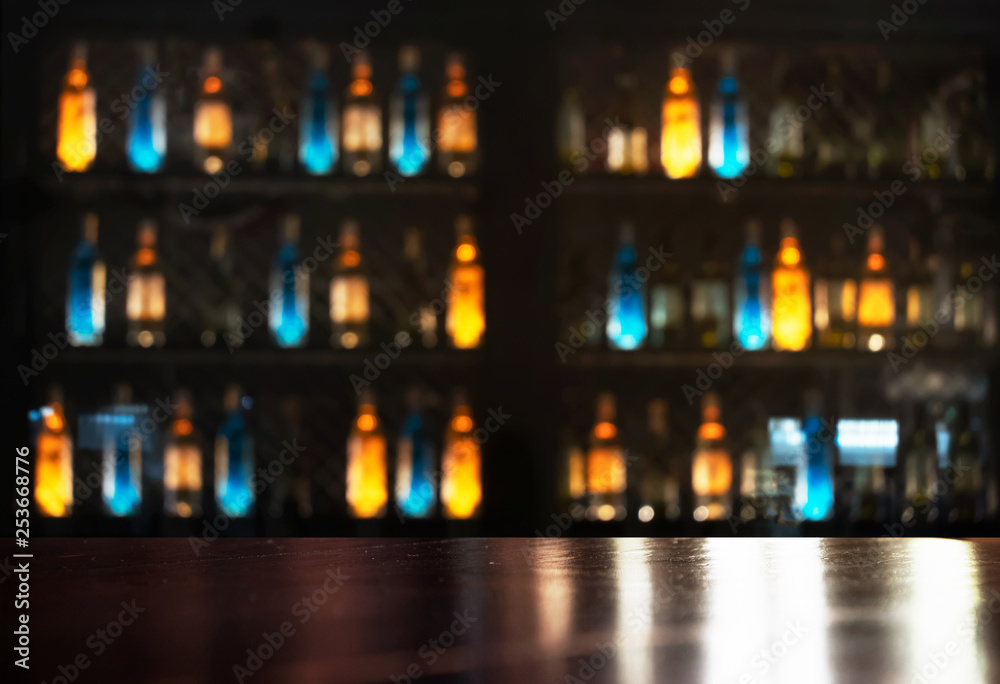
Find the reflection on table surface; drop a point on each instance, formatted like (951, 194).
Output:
(711, 611)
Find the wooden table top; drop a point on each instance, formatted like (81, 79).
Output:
(712, 611)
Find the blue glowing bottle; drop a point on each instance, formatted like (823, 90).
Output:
(318, 129)
(234, 493)
(415, 490)
(409, 118)
(123, 443)
(819, 436)
(147, 132)
(728, 146)
(289, 315)
(85, 298)
(751, 319)
(627, 296)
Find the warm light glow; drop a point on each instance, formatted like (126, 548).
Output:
(76, 146)
(876, 303)
(465, 320)
(361, 87)
(461, 423)
(362, 132)
(146, 299)
(605, 430)
(183, 427)
(789, 254)
(351, 258)
(711, 473)
(711, 431)
(54, 466)
(182, 468)
(77, 77)
(213, 124)
(461, 486)
(875, 262)
(367, 489)
(606, 470)
(54, 421)
(349, 299)
(465, 253)
(213, 85)
(577, 473)
(680, 139)
(145, 256)
(791, 312)
(646, 513)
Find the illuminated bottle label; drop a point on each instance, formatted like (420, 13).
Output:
(234, 451)
(465, 321)
(289, 314)
(626, 327)
(461, 463)
(367, 492)
(409, 126)
(147, 133)
(53, 463)
(318, 129)
(85, 301)
(680, 144)
(415, 483)
(791, 308)
(751, 320)
(76, 146)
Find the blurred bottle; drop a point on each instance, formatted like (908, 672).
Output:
(869, 448)
(606, 465)
(457, 143)
(571, 128)
(362, 144)
(409, 117)
(147, 124)
(819, 439)
(758, 495)
(832, 126)
(290, 495)
(416, 479)
(465, 320)
(349, 308)
(289, 313)
(653, 484)
(76, 145)
(573, 475)
(628, 142)
(222, 314)
(680, 138)
(786, 160)
(367, 474)
(276, 153)
(710, 300)
(213, 116)
(886, 147)
(666, 307)
(122, 456)
(461, 464)
(53, 459)
(935, 150)
(917, 307)
(965, 462)
(920, 468)
(944, 276)
(85, 302)
(182, 482)
(234, 457)
(146, 301)
(751, 319)
(876, 297)
(975, 155)
(791, 308)
(728, 136)
(712, 467)
(414, 313)
(318, 144)
(626, 327)
(836, 298)
(970, 306)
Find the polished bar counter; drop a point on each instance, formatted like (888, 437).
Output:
(712, 611)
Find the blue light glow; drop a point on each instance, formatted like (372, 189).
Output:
(233, 493)
(288, 317)
(147, 137)
(626, 326)
(819, 472)
(84, 307)
(418, 500)
(318, 131)
(410, 151)
(729, 148)
(750, 317)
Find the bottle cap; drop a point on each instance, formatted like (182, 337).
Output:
(409, 58)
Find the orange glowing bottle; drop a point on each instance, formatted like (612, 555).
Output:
(461, 464)
(680, 141)
(145, 304)
(466, 317)
(712, 469)
(76, 146)
(54, 460)
(876, 297)
(606, 475)
(367, 484)
(349, 292)
(213, 117)
(362, 139)
(791, 310)
(456, 134)
(182, 458)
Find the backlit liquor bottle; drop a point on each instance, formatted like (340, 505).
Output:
(835, 299)
(213, 116)
(668, 488)
(349, 308)
(461, 464)
(752, 315)
(222, 317)
(680, 137)
(626, 327)
(786, 132)
(571, 130)
(974, 154)
(965, 460)
(606, 465)
(54, 460)
(276, 153)
(367, 492)
(465, 320)
(122, 458)
(651, 474)
(147, 123)
(415, 315)
(182, 481)
(710, 314)
(318, 127)
(920, 468)
(876, 297)
(667, 307)
(416, 492)
(728, 142)
(917, 304)
(362, 138)
(146, 301)
(791, 310)
(86, 297)
(831, 126)
(409, 117)
(712, 467)
(573, 474)
(289, 314)
(291, 494)
(819, 437)
(628, 143)
(886, 148)
(234, 457)
(457, 142)
(758, 493)
(869, 447)
(76, 145)
(970, 307)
